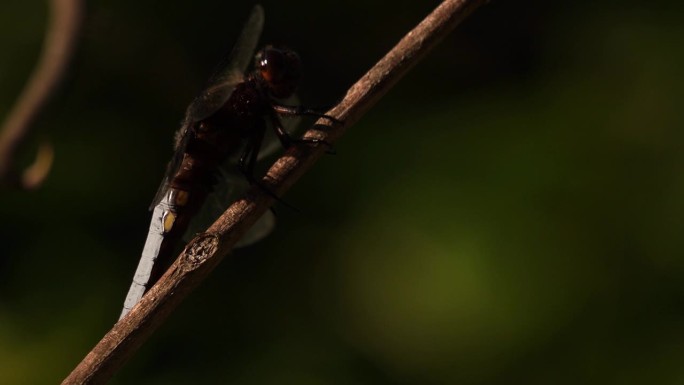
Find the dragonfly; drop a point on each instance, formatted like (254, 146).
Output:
(225, 125)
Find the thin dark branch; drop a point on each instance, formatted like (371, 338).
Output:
(204, 252)
(58, 47)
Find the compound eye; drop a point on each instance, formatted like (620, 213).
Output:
(271, 65)
(280, 68)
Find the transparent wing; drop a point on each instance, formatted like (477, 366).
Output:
(230, 70)
(230, 187)
(221, 84)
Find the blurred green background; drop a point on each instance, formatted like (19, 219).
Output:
(511, 212)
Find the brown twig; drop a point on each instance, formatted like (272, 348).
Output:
(58, 47)
(204, 252)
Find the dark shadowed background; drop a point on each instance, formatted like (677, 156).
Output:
(513, 211)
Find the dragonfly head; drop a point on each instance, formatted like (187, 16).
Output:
(280, 68)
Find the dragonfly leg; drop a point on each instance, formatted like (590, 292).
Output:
(253, 181)
(248, 159)
(247, 162)
(287, 141)
(301, 110)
